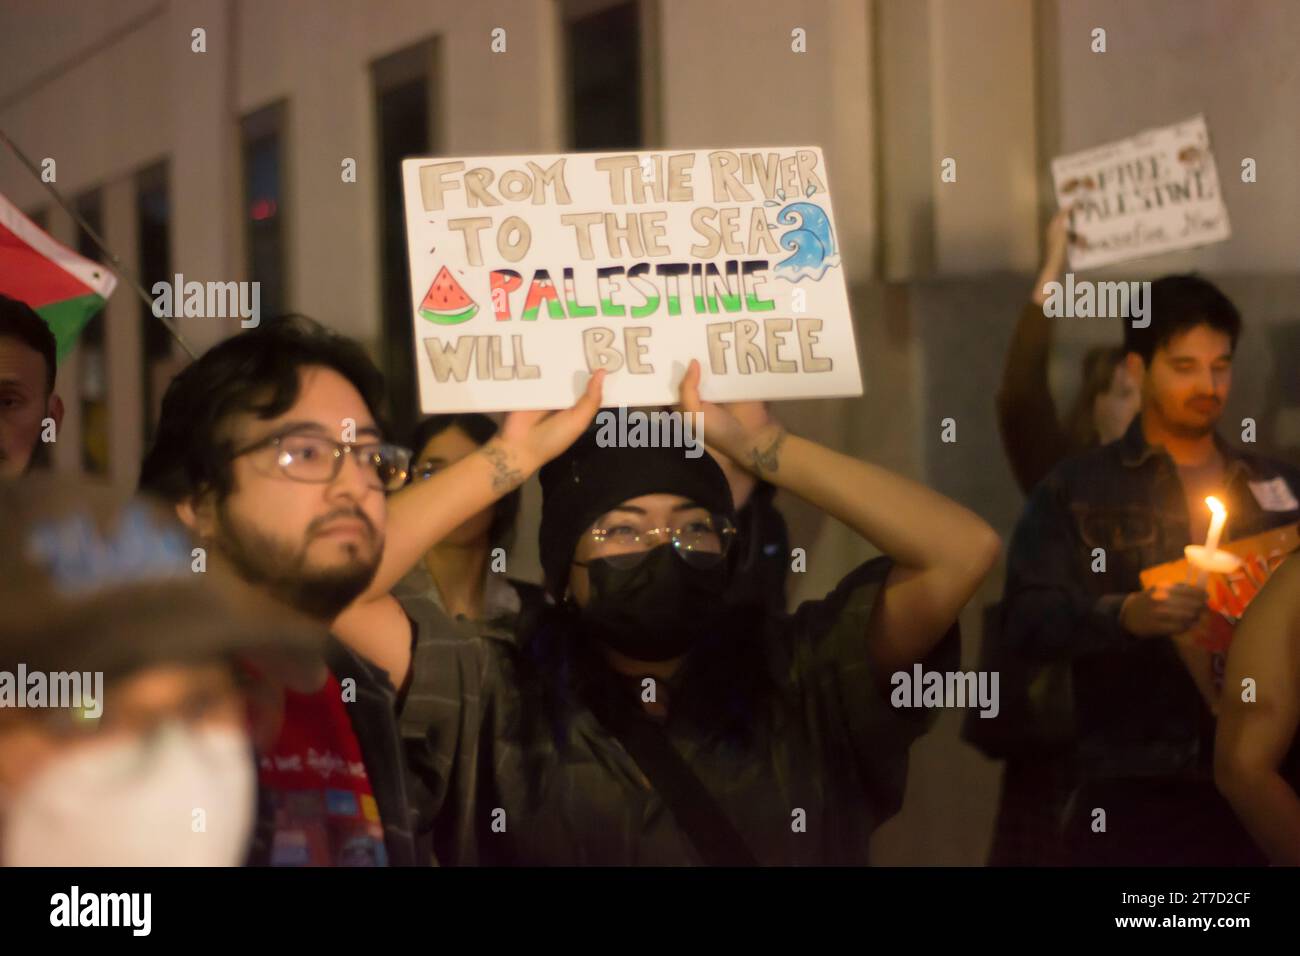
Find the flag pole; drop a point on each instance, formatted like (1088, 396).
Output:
(113, 262)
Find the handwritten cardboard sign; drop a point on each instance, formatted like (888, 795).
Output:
(530, 272)
(1154, 192)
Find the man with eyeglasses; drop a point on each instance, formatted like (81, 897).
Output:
(270, 447)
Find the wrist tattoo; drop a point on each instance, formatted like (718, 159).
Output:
(504, 478)
(767, 460)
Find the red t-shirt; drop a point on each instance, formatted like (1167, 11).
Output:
(315, 777)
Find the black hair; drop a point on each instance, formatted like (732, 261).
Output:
(1178, 303)
(18, 320)
(252, 372)
(480, 429)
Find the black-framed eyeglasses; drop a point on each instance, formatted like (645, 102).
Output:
(315, 459)
(701, 541)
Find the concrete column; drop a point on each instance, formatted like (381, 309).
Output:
(907, 172)
(203, 175)
(982, 91)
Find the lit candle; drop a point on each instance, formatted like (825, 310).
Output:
(1201, 561)
(1219, 515)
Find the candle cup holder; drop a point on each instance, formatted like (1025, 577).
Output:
(1211, 562)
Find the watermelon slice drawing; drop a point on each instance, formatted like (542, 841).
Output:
(446, 302)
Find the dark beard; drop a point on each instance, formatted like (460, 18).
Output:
(1192, 432)
(267, 563)
(1169, 420)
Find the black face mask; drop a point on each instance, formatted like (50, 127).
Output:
(656, 610)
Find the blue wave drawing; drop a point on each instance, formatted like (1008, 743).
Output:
(812, 244)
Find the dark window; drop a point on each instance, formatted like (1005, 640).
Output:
(603, 57)
(264, 209)
(153, 219)
(404, 127)
(92, 358)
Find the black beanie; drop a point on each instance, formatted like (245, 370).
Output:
(587, 480)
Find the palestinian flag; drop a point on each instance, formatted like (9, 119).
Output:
(64, 288)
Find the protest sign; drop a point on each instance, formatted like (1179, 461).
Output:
(530, 272)
(1152, 193)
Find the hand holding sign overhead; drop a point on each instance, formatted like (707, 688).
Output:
(1155, 192)
(732, 428)
(540, 436)
(530, 273)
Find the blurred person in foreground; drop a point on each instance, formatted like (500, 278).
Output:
(124, 733)
(1257, 749)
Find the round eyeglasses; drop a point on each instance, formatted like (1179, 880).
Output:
(317, 460)
(701, 541)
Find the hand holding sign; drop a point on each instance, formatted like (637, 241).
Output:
(535, 437)
(1151, 193)
(735, 429)
(1056, 245)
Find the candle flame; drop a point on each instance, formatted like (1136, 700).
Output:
(1215, 506)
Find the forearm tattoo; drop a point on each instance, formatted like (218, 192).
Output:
(504, 478)
(766, 460)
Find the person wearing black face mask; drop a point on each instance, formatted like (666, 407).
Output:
(636, 720)
(634, 543)
(656, 608)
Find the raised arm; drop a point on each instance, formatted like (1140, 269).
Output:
(1027, 418)
(419, 516)
(941, 550)
(1253, 736)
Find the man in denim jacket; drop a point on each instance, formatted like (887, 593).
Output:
(1145, 791)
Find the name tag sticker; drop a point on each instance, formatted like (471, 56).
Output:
(1275, 495)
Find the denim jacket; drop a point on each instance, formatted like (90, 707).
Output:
(1137, 711)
